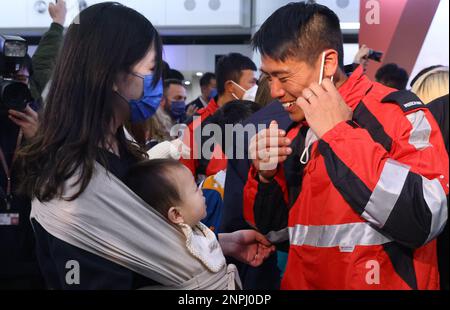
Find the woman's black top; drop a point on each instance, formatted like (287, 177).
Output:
(56, 257)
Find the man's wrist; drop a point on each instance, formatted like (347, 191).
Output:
(266, 177)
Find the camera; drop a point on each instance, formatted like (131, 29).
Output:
(14, 95)
(375, 55)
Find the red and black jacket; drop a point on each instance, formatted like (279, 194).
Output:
(372, 197)
(197, 163)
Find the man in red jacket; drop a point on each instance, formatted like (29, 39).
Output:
(235, 75)
(361, 177)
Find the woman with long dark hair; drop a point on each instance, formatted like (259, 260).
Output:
(92, 231)
(106, 62)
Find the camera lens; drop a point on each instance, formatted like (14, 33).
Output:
(14, 95)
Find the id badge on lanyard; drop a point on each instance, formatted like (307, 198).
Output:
(9, 219)
(8, 192)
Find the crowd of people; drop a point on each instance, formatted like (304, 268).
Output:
(328, 180)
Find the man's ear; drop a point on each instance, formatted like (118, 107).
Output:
(163, 102)
(174, 215)
(331, 63)
(229, 87)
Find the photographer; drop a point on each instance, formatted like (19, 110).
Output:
(18, 123)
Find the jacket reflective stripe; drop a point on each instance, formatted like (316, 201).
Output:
(386, 193)
(336, 235)
(421, 131)
(388, 190)
(437, 203)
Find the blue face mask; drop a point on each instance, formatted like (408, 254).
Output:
(213, 93)
(144, 108)
(178, 109)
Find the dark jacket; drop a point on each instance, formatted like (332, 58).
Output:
(17, 257)
(44, 59)
(18, 265)
(267, 276)
(440, 110)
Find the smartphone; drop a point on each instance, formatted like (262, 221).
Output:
(375, 55)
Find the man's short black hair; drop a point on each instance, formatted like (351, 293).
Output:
(175, 74)
(301, 31)
(230, 67)
(393, 76)
(207, 78)
(232, 113)
(169, 82)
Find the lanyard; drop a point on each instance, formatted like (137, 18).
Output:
(8, 169)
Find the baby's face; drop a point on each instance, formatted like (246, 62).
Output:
(192, 207)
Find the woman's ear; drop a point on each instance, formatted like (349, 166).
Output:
(174, 215)
(115, 87)
(331, 63)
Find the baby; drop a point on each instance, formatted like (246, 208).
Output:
(169, 187)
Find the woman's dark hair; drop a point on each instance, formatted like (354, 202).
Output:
(108, 39)
(154, 182)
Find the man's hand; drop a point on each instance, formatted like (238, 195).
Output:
(247, 246)
(191, 111)
(27, 120)
(324, 107)
(269, 148)
(362, 55)
(58, 12)
(361, 58)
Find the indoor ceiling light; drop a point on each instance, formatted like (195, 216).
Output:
(350, 26)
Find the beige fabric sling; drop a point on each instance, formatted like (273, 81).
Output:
(111, 221)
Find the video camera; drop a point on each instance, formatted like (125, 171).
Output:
(14, 95)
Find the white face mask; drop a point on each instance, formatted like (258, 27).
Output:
(310, 136)
(249, 94)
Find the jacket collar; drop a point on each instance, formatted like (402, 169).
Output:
(211, 108)
(355, 88)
